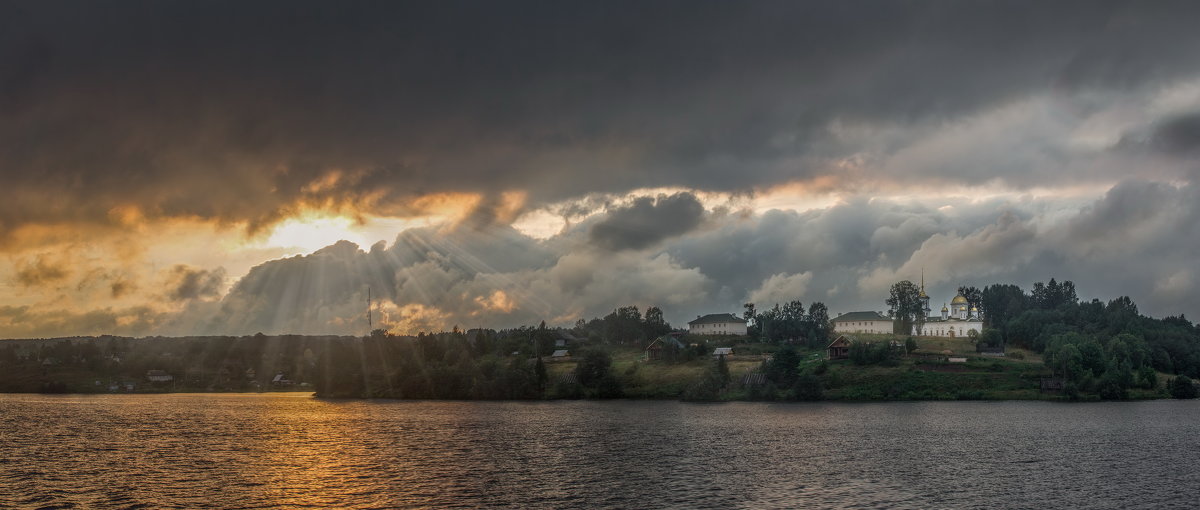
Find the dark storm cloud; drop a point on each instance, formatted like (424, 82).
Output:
(234, 110)
(647, 221)
(185, 282)
(1179, 135)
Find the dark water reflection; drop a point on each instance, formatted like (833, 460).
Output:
(290, 451)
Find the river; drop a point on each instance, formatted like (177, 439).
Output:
(293, 451)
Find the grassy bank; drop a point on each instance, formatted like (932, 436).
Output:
(940, 369)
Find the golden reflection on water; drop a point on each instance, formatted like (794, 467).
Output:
(292, 451)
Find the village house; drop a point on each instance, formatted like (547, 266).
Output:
(717, 324)
(281, 381)
(839, 348)
(654, 351)
(722, 351)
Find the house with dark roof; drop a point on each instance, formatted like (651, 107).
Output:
(717, 324)
(862, 322)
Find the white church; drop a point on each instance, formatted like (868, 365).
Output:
(956, 320)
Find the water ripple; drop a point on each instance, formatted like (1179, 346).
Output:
(293, 451)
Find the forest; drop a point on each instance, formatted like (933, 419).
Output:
(1097, 348)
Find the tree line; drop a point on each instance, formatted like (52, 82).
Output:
(789, 323)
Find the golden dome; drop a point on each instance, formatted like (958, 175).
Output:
(974, 309)
(944, 309)
(958, 300)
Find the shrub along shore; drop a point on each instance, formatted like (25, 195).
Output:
(449, 366)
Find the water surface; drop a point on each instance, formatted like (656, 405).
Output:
(292, 450)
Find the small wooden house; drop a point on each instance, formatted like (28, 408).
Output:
(560, 354)
(722, 351)
(839, 348)
(654, 351)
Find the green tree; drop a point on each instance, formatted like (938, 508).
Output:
(722, 370)
(807, 387)
(654, 323)
(593, 367)
(974, 296)
(1147, 377)
(784, 367)
(1053, 295)
(539, 371)
(1182, 387)
(1000, 304)
(905, 302)
(819, 324)
(753, 329)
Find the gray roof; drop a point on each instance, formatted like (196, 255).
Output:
(721, 351)
(667, 340)
(860, 316)
(717, 317)
(560, 353)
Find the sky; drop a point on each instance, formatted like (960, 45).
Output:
(197, 168)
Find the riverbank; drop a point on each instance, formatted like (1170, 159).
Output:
(939, 369)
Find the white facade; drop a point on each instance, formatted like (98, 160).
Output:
(955, 321)
(883, 327)
(950, 328)
(862, 322)
(717, 324)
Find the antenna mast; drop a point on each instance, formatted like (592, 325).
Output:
(370, 328)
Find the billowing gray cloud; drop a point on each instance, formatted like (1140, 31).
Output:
(923, 119)
(846, 256)
(187, 109)
(1138, 239)
(648, 221)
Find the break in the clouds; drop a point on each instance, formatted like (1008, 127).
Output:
(161, 159)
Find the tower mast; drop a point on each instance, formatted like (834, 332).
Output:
(370, 328)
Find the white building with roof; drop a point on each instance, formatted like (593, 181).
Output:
(862, 322)
(717, 324)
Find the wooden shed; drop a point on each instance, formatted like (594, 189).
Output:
(839, 348)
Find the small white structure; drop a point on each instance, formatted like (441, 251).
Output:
(561, 353)
(717, 324)
(158, 376)
(862, 322)
(722, 351)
